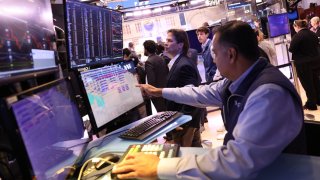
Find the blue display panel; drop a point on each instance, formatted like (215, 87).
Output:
(278, 25)
(47, 119)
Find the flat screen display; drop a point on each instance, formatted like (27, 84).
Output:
(26, 37)
(278, 25)
(46, 117)
(111, 91)
(94, 34)
(293, 15)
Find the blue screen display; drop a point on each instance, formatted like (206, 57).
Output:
(293, 15)
(45, 119)
(278, 25)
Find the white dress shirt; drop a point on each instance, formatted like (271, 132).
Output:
(172, 61)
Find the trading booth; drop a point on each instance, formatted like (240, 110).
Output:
(43, 132)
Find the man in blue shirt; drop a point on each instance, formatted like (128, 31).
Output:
(261, 111)
(209, 66)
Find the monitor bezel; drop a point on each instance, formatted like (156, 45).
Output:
(12, 126)
(280, 14)
(93, 64)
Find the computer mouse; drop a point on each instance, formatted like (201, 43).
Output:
(113, 158)
(110, 157)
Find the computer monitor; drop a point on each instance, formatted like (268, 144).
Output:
(44, 123)
(293, 15)
(26, 37)
(111, 91)
(93, 34)
(278, 25)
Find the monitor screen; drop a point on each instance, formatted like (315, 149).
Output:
(278, 25)
(47, 120)
(293, 15)
(93, 34)
(26, 37)
(111, 91)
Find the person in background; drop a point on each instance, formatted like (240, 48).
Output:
(132, 49)
(315, 23)
(160, 52)
(193, 54)
(183, 72)
(209, 65)
(205, 24)
(305, 54)
(156, 71)
(139, 66)
(267, 47)
(252, 94)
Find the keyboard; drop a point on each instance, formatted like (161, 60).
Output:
(160, 150)
(150, 126)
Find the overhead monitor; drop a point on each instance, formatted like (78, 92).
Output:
(45, 122)
(293, 15)
(26, 37)
(278, 25)
(93, 34)
(111, 91)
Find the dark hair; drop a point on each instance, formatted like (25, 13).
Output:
(203, 29)
(130, 44)
(160, 49)
(205, 24)
(181, 37)
(150, 46)
(126, 51)
(240, 36)
(300, 23)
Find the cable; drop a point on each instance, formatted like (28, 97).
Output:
(63, 168)
(93, 159)
(9, 170)
(102, 140)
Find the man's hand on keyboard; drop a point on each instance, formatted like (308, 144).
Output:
(150, 91)
(137, 166)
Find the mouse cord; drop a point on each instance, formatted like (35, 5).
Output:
(93, 160)
(101, 142)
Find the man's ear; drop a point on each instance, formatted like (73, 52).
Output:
(180, 45)
(232, 53)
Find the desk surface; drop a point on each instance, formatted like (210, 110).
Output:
(286, 166)
(112, 143)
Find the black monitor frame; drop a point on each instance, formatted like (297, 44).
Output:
(12, 128)
(112, 58)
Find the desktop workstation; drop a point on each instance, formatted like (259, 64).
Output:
(43, 119)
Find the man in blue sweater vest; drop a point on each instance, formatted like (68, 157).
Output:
(262, 113)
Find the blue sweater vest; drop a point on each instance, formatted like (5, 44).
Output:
(233, 104)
